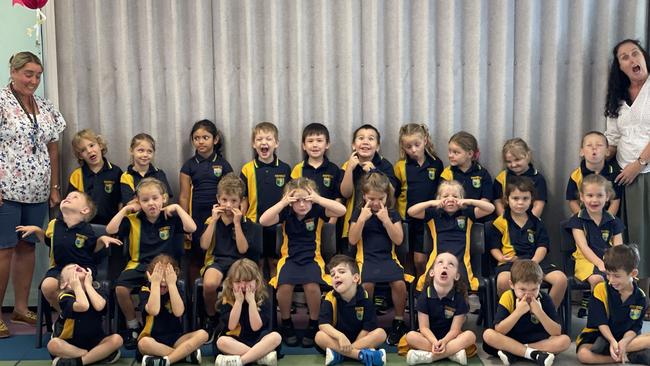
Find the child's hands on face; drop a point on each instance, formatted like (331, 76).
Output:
(238, 291)
(535, 306)
(366, 212)
(353, 161)
(170, 210)
(313, 196)
(217, 211)
(75, 283)
(382, 214)
(250, 292)
(170, 275)
(88, 279)
(236, 214)
(288, 198)
(132, 207)
(157, 275)
(523, 305)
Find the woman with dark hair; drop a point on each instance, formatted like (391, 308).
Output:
(29, 176)
(628, 132)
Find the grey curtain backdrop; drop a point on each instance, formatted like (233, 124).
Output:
(498, 69)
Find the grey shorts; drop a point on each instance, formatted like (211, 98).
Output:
(13, 214)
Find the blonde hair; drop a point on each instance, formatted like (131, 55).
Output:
(518, 148)
(244, 270)
(92, 207)
(600, 181)
(265, 127)
(410, 129)
(451, 183)
(378, 182)
(301, 183)
(90, 135)
(231, 184)
(20, 59)
(151, 182)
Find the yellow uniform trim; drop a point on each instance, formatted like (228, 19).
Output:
(600, 292)
(148, 324)
(349, 207)
(501, 178)
(49, 232)
(332, 299)
(127, 179)
(447, 174)
(209, 257)
(134, 241)
(296, 172)
(501, 224)
(576, 176)
(507, 300)
(400, 174)
(248, 170)
(77, 180)
(68, 325)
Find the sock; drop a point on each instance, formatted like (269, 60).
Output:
(400, 318)
(287, 322)
(313, 323)
(528, 353)
(132, 324)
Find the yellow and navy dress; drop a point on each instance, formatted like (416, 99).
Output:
(599, 238)
(103, 187)
(607, 308)
(441, 310)
(418, 183)
(511, 239)
(165, 327)
(501, 181)
(376, 254)
(130, 180)
(301, 261)
(381, 165)
(223, 252)
(451, 233)
(264, 188)
(349, 317)
(327, 176)
(75, 244)
(243, 332)
(80, 329)
(610, 171)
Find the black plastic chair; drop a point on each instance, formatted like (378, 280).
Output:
(567, 247)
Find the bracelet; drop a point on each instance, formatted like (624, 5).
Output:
(56, 186)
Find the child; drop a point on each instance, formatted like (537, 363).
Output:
(517, 157)
(302, 214)
(245, 310)
(593, 152)
(96, 176)
(225, 241)
(375, 229)
(151, 229)
(441, 313)
(347, 321)
(364, 158)
(71, 240)
(198, 181)
(519, 234)
(264, 174)
(594, 230)
(450, 218)
(465, 168)
(616, 309)
(78, 337)
(162, 341)
(142, 150)
(526, 323)
(418, 171)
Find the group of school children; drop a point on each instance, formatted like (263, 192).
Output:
(217, 208)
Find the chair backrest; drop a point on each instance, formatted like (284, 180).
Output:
(567, 247)
(328, 241)
(402, 250)
(255, 240)
(476, 249)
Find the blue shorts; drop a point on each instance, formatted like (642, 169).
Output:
(13, 214)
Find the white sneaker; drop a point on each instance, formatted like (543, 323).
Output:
(459, 357)
(383, 355)
(415, 356)
(225, 360)
(271, 359)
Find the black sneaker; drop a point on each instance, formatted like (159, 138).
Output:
(130, 337)
(640, 357)
(289, 335)
(584, 303)
(67, 361)
(308, 338)
(112, 358)
(543, 358)
(398, 329)
(154, 361)
(194, 357)
(381, 306)
(507, 358)
(211, 325)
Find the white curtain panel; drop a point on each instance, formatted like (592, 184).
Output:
(536, 69)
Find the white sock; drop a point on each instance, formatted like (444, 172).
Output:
(528, 353)
(132, 324)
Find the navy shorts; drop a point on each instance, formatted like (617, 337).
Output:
(132, 278)
(545, 264)
(220, 264)
(13, 214)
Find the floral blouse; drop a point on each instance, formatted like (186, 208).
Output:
(25, 171)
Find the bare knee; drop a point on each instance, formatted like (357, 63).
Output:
(222, 342)
(275, 338)
(583, 354)
(489, 335)
(145, 343)
(412, 337)
(471, 337)
(122, 291)
(54, 346)
(115, 340)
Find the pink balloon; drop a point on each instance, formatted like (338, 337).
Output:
(31, 4)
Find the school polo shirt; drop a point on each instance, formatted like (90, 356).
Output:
(264, 185)
(85, 325)
(599, 237)
(147, 239)
(607, 308)
(244, 331)
(501, 181)
(378, 244)
(302, 237)
(74, 244)
(327, 177)
(205, 174)
(528, 328)
(162, 325)
(381, 165)
(103, 187)
(130, 180)
(224, 242)
(350, 318)
(418, 183)
(609, 171)
(504, 234)
(476, 181)
(441, 310)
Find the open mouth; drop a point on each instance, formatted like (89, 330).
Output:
(337, 283)
(443, 275)
(636, 68)
(264, 150)
(93, 157)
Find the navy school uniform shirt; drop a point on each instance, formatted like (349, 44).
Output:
(441, 310)
(381, 165)
(476, 181)
(375, 244)
(264, 185)
(224, 243)
(103, 187)
(528, 328)
(72, 325)
(130, 179)
(599, 237)
(506, 235)
(327, 177)
(146, 239)
(205, 174)
(418, 183)
(609, 171)
(244, 332)
(500, 182)
(162, 325)
(607, 308)
(349, 317)
(74, 244)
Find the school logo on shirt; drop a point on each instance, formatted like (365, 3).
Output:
(635, 312)
(168, 306)
(217, 170)
(327, 180)
(108, 186)
(531, 236)
(449, 312)
(533, 319)
(432, 173)
(359, 311)
(309, 225)
(476, 182)
(279, 180)
(163, 232)
(80, 240)
(460, 220)
(604, 234)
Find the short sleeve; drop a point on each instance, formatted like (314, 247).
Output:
(227, 168)
(244, 179)
(469, 212)
(144, 298)
(264, 311)
(326, 315)
(618, 226)
(493, 237)
(163, 178)
(618, 190)
(571, 190)
(574, 223)
(505, 306)
(125, 228)
(394, 216)
(224, 310)
(497, 190)
(185, 169)
(542, 240)
(431, 213)
(369, 316)
(549, 307)
(355, 215)
(541, 193)
(387, 168)
(58, 123)
(597, 315)
(421, 303)
(461, 305)
(66, 303)
(486, 186)
(127, 193)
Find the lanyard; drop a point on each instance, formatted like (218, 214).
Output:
(33, 121)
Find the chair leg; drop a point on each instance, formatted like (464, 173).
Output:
(195, 313)
(39, 320)
(411, 303)
(567, 311)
